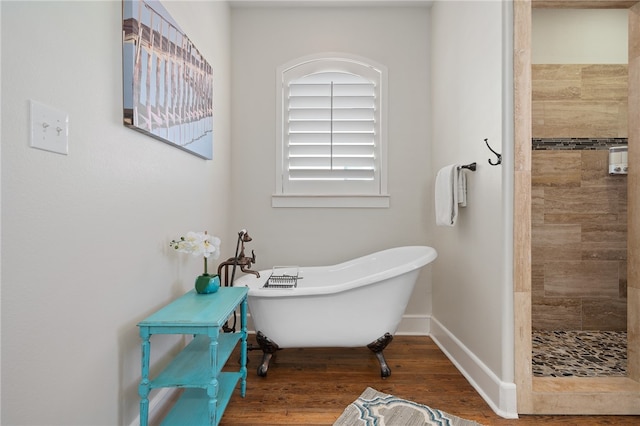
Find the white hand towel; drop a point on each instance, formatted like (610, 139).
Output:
(462, 188)
(446, 195)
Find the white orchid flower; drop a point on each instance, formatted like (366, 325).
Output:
(198, 244)
(212, 248)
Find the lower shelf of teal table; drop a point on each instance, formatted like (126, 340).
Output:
(193, 406)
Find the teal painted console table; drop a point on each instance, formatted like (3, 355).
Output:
(198, 367)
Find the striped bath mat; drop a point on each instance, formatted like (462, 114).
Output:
(374, 408)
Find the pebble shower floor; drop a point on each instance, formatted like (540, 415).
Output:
(563, 353)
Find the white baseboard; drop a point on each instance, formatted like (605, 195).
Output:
(410, 325)
(414, 325)
(158, 404)
(501, 396)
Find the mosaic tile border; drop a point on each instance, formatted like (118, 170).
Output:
(562, 353)
(576, 143)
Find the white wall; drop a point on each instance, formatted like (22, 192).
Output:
(84, 244)
(579, 36)
(85, 236)
(471, 280)
(265, 38)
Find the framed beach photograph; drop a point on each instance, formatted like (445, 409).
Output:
(167, 83)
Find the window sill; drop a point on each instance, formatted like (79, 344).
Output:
(331, 201)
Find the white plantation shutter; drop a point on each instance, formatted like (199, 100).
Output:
(331, 139)
(331, 128)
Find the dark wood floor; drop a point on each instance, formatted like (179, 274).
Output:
(313, 386)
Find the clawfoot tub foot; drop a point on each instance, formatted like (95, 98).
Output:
(377, 347)
(268, 349)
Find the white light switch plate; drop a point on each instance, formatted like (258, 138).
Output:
(49, 128)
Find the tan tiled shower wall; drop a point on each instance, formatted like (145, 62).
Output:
(579, 101)
(579, 243)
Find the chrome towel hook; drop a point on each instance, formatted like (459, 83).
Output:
(497, 155)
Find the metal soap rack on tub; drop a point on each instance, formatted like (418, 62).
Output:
(283, 277)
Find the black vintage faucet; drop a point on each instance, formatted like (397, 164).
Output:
(244, 262)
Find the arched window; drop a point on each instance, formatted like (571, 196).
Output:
(331, 133)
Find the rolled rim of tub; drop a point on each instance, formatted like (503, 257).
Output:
(351, 274)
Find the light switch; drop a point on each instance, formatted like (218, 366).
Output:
(49, 128)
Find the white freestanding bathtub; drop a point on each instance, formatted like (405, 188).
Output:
(356, 303)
